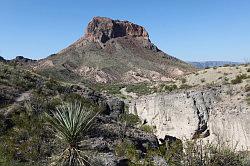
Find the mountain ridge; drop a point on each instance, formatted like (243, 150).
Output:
(204, 64)
(114, 51)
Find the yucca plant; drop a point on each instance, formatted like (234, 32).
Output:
(71, 121)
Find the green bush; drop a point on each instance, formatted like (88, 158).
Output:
(226, 65)
(203, 80)
(247, 88)
(239, 79)
(185, 86)
(170, 87)
(109, 88)
(54, 85)
(130, 119)
(183, 80)
(248, 99)
(27, 141)
(140, 88)
(127, 149)
(148, 128)
(198, 153)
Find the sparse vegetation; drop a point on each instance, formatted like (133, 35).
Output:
(148, 128)
(248, 98)
(193, 153)
(129, 119)
(169, 88)
(203, 80)
(183, 80)
(140, 88)
(109, 88)
(226, 65)
(127, 149)
(247, 88)
(239, 79)
(185, 86)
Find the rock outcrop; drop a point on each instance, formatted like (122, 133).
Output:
(102, 29)
(219, 113)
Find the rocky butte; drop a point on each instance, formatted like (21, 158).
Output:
(102, 29)
(113, 51)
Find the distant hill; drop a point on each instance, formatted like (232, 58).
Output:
(205, 64)
(113, 51)
(2, 59)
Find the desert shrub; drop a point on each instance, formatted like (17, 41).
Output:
(109, 88)
(72, 97)
(170, 87)
(140, 88)
(183, 80)
(26, 141)
(239, 79)
(247, 88)
(129, 119)
(128, 149)
(185, 86)
(203, 80)
(248, 70)
(198, 153)
(248, 99)
(226, 65)
(54, 85)
(148, 128)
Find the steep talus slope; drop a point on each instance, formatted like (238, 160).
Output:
(215, 113)
(113, 51)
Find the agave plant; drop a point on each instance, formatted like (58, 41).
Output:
(71, 121)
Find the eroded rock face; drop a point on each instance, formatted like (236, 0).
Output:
(215, 113)
(102, 29)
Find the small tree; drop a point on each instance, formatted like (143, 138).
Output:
(71, 121)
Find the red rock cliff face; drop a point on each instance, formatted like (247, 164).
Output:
(102, 29)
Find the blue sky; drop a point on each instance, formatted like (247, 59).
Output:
(193, 30)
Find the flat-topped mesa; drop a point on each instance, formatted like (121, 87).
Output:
(102, 29)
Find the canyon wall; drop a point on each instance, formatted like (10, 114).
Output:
(219, 113)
